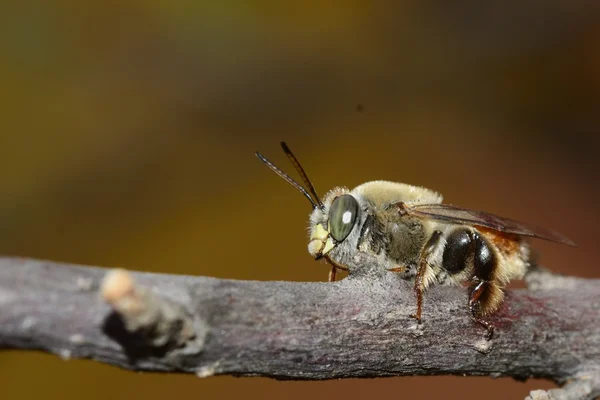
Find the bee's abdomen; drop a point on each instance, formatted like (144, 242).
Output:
(456, 252)
(467, 249)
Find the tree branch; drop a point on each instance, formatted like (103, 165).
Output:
(358, 327)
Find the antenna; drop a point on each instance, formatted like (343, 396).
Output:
(289, 180)
(303, 175)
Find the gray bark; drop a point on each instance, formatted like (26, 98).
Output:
(357, 327)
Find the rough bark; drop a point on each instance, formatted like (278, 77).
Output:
(358, 327)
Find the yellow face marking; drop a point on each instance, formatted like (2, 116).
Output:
(319, 233)
(320, 241)
(328, 246)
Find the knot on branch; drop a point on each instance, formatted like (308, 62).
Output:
(143, 319)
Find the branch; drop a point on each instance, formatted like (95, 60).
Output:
(358, 327)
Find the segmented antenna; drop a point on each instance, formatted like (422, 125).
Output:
(289, 180)
(303, 175)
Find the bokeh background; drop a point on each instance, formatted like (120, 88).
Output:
(127, 133)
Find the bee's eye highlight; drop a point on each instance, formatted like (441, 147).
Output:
(342, 216)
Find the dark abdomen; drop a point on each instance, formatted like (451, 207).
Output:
(467, 250)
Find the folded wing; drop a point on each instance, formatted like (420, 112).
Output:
(456, 215)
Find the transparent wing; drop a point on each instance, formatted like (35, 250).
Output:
(457, 215)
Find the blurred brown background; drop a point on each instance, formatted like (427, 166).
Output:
(128, 129)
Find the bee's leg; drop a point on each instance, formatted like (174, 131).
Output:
(485, 295)
(332, 273)
(476, 291)
(424, 258)
(334, 267)
(397, 269)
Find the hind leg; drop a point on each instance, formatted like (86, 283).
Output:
(485, 295)
(480, 293)
(469, 254)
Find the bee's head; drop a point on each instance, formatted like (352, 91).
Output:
(332, 220)
(331, 226)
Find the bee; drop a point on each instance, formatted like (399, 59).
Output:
(411, 232)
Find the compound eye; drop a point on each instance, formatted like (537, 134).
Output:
(342, 216)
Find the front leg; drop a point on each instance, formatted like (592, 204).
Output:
(334, 268)
(332, 274)
(424, 264)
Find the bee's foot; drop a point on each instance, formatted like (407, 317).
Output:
(417, 317)
(487, 325)
(490, 333)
